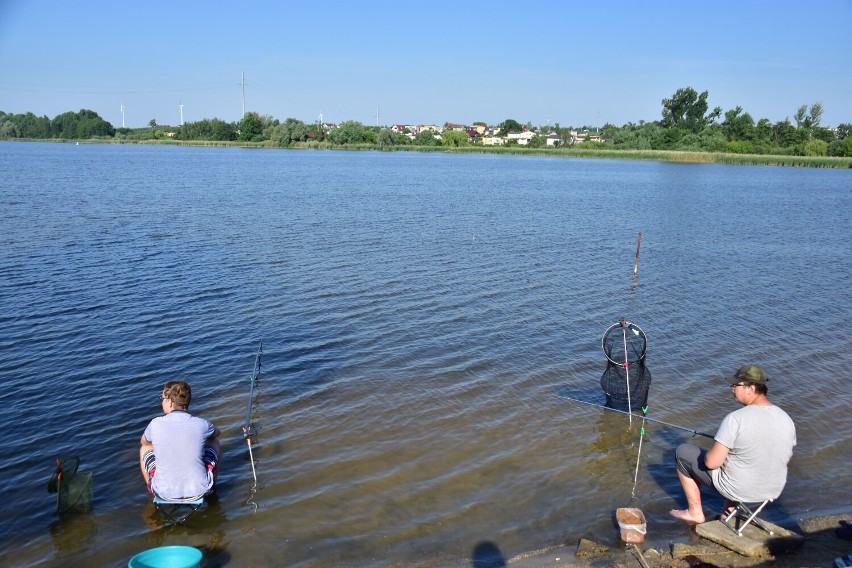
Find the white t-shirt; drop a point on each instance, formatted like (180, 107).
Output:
(760, 440)
(178, 439)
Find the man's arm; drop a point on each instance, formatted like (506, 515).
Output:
(716, 456)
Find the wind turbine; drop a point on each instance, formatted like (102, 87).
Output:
(181, 113)
(122, 114)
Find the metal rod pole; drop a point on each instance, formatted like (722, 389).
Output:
(636, 262)
(627, 370)
(247, 428)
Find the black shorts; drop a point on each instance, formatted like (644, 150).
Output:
(690, 462)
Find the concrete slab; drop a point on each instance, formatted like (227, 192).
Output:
(754, 542)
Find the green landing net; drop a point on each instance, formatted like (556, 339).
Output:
(73, 490)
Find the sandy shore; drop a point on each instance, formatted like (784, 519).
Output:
(820, 547)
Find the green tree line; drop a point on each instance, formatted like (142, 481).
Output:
(687, 124)
(70, 125)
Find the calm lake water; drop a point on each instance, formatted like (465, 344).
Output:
(426, 319)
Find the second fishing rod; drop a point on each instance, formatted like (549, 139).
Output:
(669, 424)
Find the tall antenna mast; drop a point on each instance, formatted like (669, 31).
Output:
(122, 114)
(377, 116)
(181, 112)
(244, 95)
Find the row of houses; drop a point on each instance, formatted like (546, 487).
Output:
(486, 136)
(491, 136)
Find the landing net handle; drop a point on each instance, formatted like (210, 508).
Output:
(624, 343)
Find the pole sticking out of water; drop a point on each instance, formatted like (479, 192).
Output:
(639, 454)
(636, 262)
(626, 369)
(247, 433)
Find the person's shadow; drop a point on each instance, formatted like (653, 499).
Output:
(486, 554)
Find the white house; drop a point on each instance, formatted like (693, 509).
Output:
(523, 138)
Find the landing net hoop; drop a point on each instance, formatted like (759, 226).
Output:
(624, 342)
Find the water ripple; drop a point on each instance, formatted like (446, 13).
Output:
(425, 319)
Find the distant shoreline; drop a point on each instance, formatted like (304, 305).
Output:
(675, 156)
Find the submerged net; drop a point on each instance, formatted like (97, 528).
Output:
(614, 385)
(73, 490)
(625, 345)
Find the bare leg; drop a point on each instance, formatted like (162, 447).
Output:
(694, 513)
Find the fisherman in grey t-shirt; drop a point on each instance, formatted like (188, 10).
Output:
(748, 460)
(179, 452)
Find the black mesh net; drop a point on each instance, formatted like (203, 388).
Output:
(626, 380)
(614, 385)
(624, 341)
(73, 490)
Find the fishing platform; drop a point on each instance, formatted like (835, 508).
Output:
(753, 541)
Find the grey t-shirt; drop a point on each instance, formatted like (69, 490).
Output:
(760, 440)
(178, 439)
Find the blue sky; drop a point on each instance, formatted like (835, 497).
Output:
(425, 61)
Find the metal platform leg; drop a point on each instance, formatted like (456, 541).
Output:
(743, 510)
(177, 512)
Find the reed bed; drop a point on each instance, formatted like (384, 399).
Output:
(670, 156)
(680, 156)
(776, 160)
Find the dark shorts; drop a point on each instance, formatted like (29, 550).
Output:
(690, 462)
(210, 457)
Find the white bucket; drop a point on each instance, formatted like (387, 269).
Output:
(631, 521)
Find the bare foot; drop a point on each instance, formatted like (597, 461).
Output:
(685, 515)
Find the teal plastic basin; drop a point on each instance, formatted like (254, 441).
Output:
(167, 557)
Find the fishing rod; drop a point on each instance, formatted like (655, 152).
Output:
(693, 432)
(247, 432)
